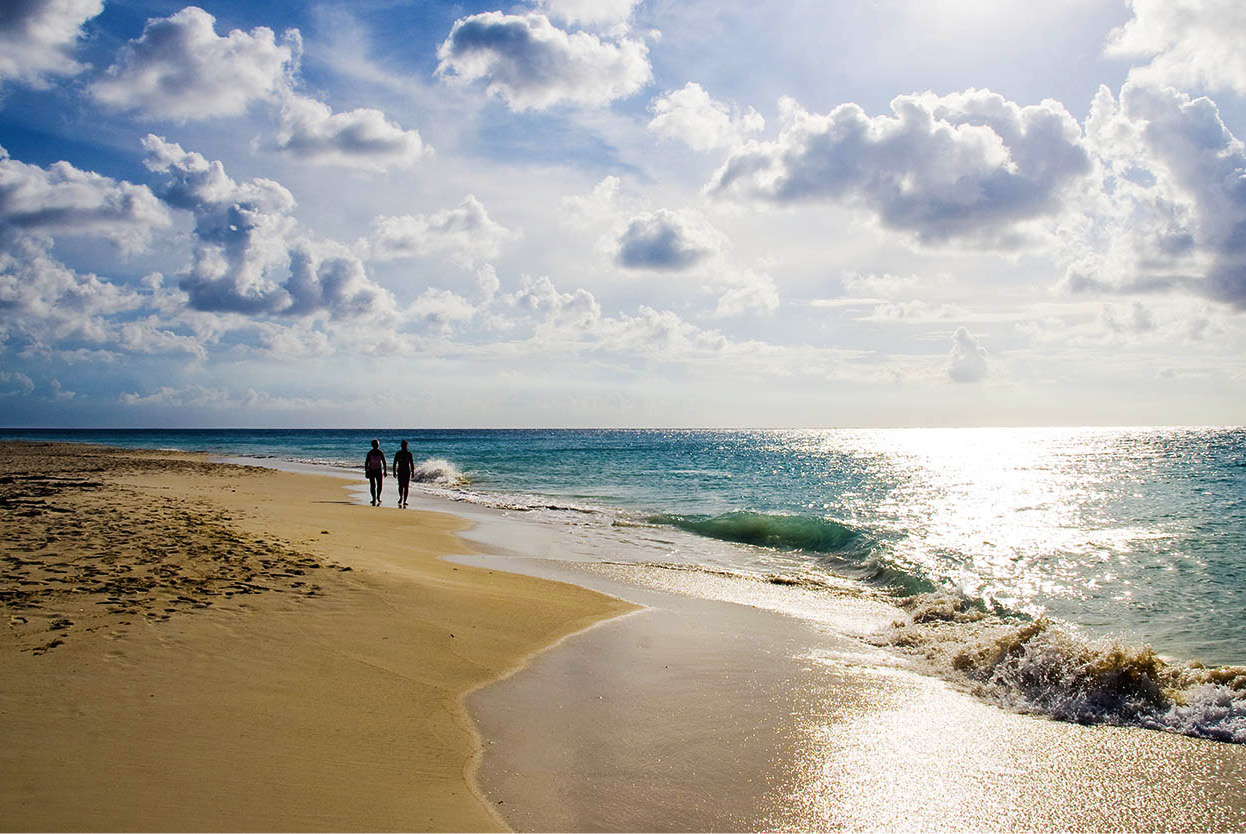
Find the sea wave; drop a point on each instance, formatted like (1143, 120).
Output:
(1038, 666)
(438, 471)
(788, 532)
(837, 547)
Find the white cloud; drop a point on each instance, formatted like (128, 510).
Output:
(691, 116)
(466, 234)
(912, 312)
(538, 298)
(753, 293)
(37, 39)
(667, 240)
(592, 12)
(179, 69)
(1193, 44)
(532, 65)
(1168, 208)
(885, 285)
(240, 231)
(599, 204)
(221, 399)
(968, 360)
(969, 165)
(441, 309)
(44, 302)
(63, 200)
(363, 138)
(15, 383)
(326, 278)
(152, 336)
(247, 240)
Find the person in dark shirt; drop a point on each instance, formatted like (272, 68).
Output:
(404, 465)
(374, 466)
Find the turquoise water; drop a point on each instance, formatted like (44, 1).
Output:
(1136, 535)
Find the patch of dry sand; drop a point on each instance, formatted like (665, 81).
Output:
(192, 646)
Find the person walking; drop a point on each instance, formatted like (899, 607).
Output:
(375, 468)
(404, 466)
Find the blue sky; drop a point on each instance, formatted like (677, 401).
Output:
(622, 213)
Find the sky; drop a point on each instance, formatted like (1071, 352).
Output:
(704, 213)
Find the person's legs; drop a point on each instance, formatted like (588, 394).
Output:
(404, 488)
(374, 486)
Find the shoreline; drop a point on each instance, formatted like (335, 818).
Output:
(330, 701)
(419, 692)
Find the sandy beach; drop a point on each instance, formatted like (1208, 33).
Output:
(191, 646)
(200, 646)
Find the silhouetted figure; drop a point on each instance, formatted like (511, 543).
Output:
(374, 466)
(404, 465)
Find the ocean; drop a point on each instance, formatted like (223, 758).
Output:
(1088, 574)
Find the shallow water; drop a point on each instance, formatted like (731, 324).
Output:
(1133, 536)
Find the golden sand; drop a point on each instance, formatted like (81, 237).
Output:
(193, 646)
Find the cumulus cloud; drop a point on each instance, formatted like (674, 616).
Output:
(240, 230)
(751, 293)
(969, 165)
(180, 69)
(703, 124)
(362, 138)
(247, 240)
(667, 240)
(465, 233)
(15, 383)
(591, 12)
(1168, 210)
(327, 278)
(538, 298)
(573, 322)
(532, 64)
(37, 39)
(63, 200)
(585, 210)
(440, 310)
(968, 359)
(44, 302)
(1192, 44)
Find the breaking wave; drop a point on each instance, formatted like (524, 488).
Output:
(1035, 666)
(837, 547)
(794, 532)
(438, 471)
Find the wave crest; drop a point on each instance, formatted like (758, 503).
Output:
(1037, 667)
(786, 532)
(438, 471)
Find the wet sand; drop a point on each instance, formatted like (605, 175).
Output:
(192, 646)
(702, 713)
